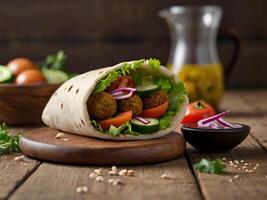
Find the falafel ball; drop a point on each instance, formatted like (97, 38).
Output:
(101, 106)
(134, 103)
(155, 99)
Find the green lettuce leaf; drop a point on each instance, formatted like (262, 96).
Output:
(124, 70)
(164, 83)
(176, 99)
(176, 96)
(166, 120)
(114, 131)
(154, 64)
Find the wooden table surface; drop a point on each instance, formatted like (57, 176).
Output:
(32, 179)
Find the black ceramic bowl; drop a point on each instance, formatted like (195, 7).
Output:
(214, 140)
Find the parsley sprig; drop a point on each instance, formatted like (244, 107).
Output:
(8, 143)
(210, 166)
(56, 61)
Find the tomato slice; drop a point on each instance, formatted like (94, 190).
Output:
(196, 111)
(122, 81)
(156, 112)
(117, 121)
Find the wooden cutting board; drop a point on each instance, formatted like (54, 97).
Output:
(74, 149)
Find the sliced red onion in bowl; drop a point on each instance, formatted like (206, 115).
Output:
(216, 126)
(141, 119)
(217, 122)
(225, 123)
(207, 121)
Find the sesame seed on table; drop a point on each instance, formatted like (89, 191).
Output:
(245, 177)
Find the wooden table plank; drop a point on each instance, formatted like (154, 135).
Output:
(235, 102)
(13, 173)
(52, 181)
(247, 186)
(256, 99)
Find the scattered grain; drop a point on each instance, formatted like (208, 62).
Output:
(230, 180)
(59, 135)
(113, 173)
(99, 171)
(82, 189)
(165, 176)
(19, 158)
(236, 162)
(236, 176)
(99, 179)
(92, 176)
(130, 172)
(242, 161)
(111, 180)
(224, 159)
(114, 168)
(123, 172)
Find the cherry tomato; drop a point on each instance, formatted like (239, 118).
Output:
(196, 111)
(30, 77)
(19, 65)
(122, 81)
(117, 121)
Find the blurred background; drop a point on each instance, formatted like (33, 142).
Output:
(97, 33)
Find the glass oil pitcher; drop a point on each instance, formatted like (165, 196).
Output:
(193, 55)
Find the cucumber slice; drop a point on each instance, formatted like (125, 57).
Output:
(146, 90)
(54, 76)
(140, 127)
(5, 75)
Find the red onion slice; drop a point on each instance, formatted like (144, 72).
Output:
(117, 93)
(207, 121)
(141, 119)
(121, 89)
(124, 96)
(225, 123)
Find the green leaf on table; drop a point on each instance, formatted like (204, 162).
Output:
(8, 143)
(210, 166)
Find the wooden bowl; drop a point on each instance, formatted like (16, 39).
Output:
(214, 140)
(23, 105)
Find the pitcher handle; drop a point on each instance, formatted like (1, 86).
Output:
(231, 34)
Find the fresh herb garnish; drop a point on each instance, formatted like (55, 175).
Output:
(8, 143)
(210, 166)
(56, 61)
(53, 68)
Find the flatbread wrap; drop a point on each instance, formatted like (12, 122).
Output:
(135, 100)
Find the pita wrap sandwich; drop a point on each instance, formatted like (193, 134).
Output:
(135, 100)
